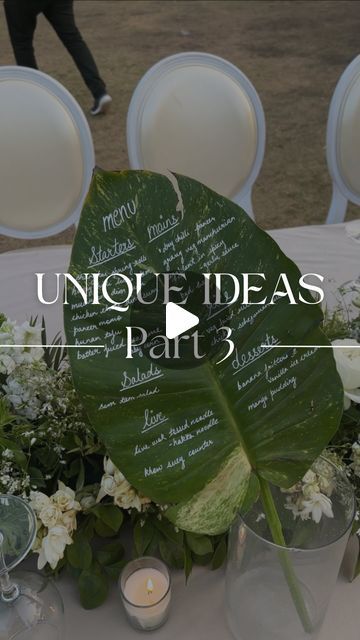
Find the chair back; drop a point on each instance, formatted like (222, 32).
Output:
(46, 155)
(343, 142)
(197, 114)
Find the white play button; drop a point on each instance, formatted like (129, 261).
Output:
(178, 320)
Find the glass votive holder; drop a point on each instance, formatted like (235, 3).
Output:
(145, 586)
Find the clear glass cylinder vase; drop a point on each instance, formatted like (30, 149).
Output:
(281, 593)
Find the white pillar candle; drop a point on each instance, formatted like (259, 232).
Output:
(146, 593)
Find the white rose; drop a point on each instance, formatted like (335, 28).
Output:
(69, 520)
(348, 366)
(38, 501)
(53, 546)
(127, 499)
(64, 498)
(50, 515)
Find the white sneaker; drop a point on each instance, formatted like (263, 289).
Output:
(101, 105)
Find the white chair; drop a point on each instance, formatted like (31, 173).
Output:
(200, 116)
(343, 142)
(46, 155)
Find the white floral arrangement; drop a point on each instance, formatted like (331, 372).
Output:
(311, 498)
(50, 455)
(56, 523)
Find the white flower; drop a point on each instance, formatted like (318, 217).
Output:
(326, 485)
(7, 363)
(40, 533)
(108, 487)
(119, 477)
(109, 466)
(355, 457)
(309, 477)
(318, 505)
(294, 489)
(295, 506)
(69, 520)
(8, 454)
(53, 546)
(115, 485)
(127, 498)
(36, 548)
(64, 498)
(310, 489)
(27, 386)
(38, 501)
(50, 515)
(348, 366)
(26, 334)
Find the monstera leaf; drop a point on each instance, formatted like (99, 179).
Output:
(197, 439)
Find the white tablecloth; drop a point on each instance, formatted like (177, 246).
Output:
(197, 611)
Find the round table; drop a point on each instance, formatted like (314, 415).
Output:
(197, 608)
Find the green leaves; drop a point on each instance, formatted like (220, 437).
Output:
(264, 411)
(109, 515)
(93, 587)
(95, 563)
(200, 545)
(219, 556)
(79, 554)
(110, 554)
(153, 535)
(6, 417)
(143, 535)
(95, 578)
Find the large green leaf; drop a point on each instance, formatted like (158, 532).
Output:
(262, 411)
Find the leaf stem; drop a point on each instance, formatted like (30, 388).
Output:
(284, 556)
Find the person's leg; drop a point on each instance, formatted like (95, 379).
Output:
(60, 14)
(21, 21)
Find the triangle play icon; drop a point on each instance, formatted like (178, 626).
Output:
(178, 320)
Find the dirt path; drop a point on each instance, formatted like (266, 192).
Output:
(293, 52)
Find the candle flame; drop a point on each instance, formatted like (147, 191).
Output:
(150, 586)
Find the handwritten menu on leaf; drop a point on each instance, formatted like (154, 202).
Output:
(173, 431)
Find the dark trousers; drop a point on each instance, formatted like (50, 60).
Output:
(21, 18)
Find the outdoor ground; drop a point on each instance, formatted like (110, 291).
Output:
(292, 51)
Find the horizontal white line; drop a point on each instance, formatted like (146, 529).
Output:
(312, 346)
(52, 346)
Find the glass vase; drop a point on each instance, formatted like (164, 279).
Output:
(31, 607)
(282, 593)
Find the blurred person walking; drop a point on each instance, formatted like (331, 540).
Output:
(21, 16)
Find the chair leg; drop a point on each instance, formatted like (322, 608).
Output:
(338, 207)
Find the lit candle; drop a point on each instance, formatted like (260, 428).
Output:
(146, 593)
